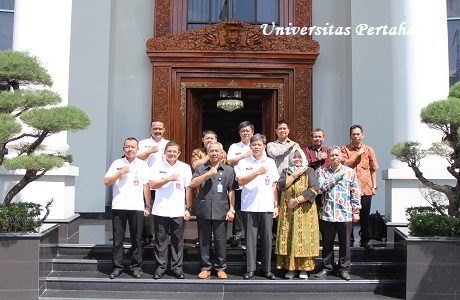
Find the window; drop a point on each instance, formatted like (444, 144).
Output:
(6, 24)
(453, 25)
(205, 12)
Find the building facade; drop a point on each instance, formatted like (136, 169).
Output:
(128, 62)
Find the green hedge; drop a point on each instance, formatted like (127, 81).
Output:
(427, 221)
(20, 217)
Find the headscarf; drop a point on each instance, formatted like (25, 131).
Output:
(291, 166)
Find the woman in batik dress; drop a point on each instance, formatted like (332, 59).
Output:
(297, 242)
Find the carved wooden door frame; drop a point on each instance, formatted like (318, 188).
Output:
(228, 54)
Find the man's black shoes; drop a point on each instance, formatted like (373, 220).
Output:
(248, 275)
(179, 275)
(344, 275)
(157, 275)
(323, 273)
(115, 273)
(269, 275)
(137, 274)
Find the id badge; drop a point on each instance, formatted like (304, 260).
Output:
(136, 181)
(219, 188)
(267, 180)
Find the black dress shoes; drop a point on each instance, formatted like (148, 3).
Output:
(157, 275)
(344, 275)
(137, 273)
(248, 275)
(115, 273)
(323, 273)
(366, 246)
(269, 275)
(179, 275)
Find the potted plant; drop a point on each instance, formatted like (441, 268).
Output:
(431, 248)
(29, 113)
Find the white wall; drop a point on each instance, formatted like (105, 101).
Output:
(111, 80)
(89, 90)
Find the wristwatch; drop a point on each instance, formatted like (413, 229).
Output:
(232, 211)
(189, 209)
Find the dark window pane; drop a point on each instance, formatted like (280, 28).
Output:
(453, 8)
(245, 10)
(219, 10)
(6, 30)
(268, 11)
(454, 50)
(198, 10)
(7, 4)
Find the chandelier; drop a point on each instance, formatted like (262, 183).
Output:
(230, 100)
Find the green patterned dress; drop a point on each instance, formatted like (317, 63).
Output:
(297, 242)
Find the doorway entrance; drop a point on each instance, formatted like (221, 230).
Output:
(225, 123)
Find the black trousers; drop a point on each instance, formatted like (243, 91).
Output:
(366, 203)
(328, 231)
(169, 230)
(149, 230)
(134, 218)
(258, 223)
(237, 225)
(205, 230)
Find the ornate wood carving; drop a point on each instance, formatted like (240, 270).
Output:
(303, 107)
(233, 84)
(160, 91)
(280, 88)
(183, 93)
(303, 13)
(162, 18)
(232, 36)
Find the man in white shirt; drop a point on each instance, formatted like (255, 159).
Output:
(172, 205)
(152, 150)
(129, 178)
(258, 175)
(237, 152)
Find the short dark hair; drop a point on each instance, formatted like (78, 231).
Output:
(258, 137)
(131, 138)
(282, 121)
(317, 130)
(172, 144)
(356, 126)
(245, 124)
(208, 131)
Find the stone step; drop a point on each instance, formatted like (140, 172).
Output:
(69, 263)
(96, 280)
(149, 295)
(381, 252)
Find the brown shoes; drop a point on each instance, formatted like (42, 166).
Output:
(204, 274)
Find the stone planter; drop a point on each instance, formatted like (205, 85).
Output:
(25, 261)
(430, 266)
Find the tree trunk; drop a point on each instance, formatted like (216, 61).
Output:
(28, 178)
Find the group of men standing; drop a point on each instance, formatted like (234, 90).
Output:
(238, 186)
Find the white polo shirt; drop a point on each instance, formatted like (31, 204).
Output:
(128, 190)
(158, 156)
(170, 198)
(257, 195)
(237, 149)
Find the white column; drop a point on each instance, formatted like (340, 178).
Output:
(419, 76)
(43, 29)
